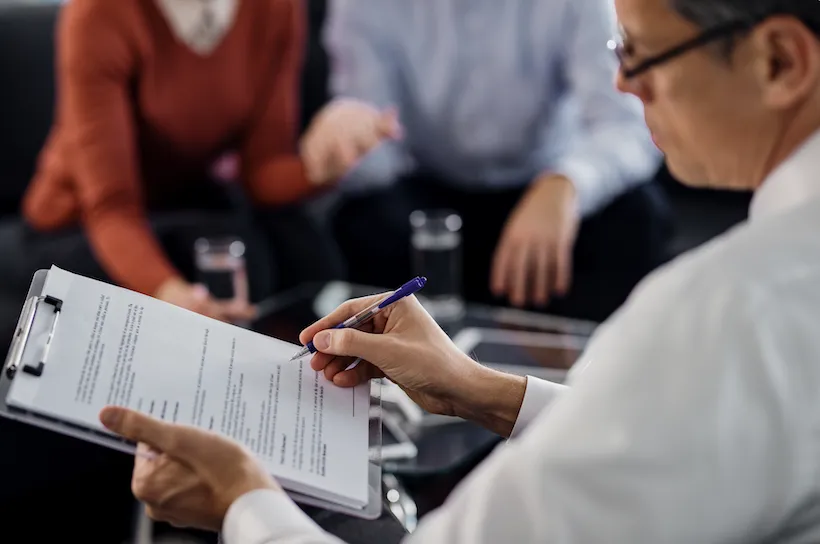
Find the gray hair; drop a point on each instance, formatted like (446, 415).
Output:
(711, 13)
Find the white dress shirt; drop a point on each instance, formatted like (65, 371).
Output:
(199, 24)
(694, 417)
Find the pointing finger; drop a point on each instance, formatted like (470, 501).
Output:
(389, 125)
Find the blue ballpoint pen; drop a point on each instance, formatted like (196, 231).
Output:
(411, 287)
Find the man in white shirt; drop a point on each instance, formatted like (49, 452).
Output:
(692, 417)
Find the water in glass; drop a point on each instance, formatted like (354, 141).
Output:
(436, 246)
(221, 268)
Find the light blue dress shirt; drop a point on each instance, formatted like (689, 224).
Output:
(492, 93)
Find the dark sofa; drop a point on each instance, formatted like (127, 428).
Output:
(26, 95)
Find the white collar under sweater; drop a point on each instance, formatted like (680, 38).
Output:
(199, 24)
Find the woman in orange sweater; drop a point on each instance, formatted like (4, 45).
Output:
(151, 94)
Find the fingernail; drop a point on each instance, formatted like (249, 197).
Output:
(110, 417)
(322, 340)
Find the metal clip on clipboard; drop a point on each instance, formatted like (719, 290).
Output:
(38, 321)
(21, 337)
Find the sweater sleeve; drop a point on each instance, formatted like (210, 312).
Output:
(272, 169)
(95, 64)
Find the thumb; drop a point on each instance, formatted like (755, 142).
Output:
(351, 343)
(138, 427)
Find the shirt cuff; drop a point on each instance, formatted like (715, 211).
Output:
(539, 394)
(586, 178)
(268, 515)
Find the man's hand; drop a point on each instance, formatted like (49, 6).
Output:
(197, 299)
(341, 134)
(186, 476)
(404, 344)
(533, 259)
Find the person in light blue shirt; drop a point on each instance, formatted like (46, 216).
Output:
(510, 118)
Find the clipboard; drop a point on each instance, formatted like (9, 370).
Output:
(29, 353)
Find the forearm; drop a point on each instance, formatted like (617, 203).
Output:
(503, 403)
(281, 180)
(491, 399)
(128, 251)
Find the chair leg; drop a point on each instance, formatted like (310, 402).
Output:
(399, 502)
(143, 532)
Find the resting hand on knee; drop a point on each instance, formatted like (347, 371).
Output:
(533, 259)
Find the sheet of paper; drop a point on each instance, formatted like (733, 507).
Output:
(114, 346)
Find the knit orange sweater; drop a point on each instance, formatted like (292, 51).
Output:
(139, 113)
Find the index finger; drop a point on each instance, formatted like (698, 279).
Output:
(389, 125)
(344, 311)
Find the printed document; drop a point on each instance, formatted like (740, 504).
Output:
(114, 346)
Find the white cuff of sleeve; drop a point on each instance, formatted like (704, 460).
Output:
(539, 394)
(586, 177)
(268, 515)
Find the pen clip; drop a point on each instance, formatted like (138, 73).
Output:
(405, 290)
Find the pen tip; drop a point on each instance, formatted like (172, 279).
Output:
(301, 353)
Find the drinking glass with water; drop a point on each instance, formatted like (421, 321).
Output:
(220, 264)
(436, 246)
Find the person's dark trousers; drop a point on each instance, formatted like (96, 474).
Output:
(615, 247)
(85, 484)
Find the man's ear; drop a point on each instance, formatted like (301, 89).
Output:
(787, 65)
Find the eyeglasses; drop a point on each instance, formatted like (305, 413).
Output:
(704, 38)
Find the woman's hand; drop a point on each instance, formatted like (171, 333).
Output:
(186, 476)
(196, 298)
(341, 134)
(402, 343)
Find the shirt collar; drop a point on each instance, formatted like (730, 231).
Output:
(187, 20)
(791, 183)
